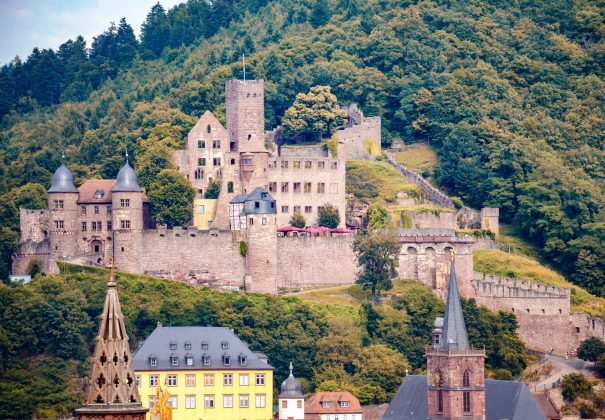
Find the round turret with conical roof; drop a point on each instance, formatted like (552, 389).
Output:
(291, 398)
(63, 181)
(127, 180)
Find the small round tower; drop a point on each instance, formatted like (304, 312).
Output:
(291, 399)
(127, 215)
(63, 214)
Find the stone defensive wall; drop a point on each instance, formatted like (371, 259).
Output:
(433, 193)
(352, 141)
(431, 220)
(311, 261)
(188, 254)
(542, 311)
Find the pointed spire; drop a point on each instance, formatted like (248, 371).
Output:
(454, 329)
(126, 153)
(291, 368)
(112, 384)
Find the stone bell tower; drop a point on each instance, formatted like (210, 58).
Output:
(455, 383)
(112, 389)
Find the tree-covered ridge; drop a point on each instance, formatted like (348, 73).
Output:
(511, 94)
(48, 328)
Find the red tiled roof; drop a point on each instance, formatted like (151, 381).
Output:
(314, 404)
(88, 189)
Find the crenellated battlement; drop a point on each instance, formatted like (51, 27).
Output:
(504, 287)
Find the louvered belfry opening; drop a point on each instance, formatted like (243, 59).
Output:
(111, 386)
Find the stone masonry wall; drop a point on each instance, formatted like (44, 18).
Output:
(542, 311)
(314, 261)
(200, 256)
(430, 220)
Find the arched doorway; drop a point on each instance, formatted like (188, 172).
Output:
(96, 246)
(430, 255)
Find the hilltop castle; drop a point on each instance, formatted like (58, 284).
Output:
(240, 243)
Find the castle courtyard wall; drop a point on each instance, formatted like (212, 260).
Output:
(313, 261)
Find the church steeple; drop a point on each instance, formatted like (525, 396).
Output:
(456, 372)
(112, 387)
(454, 329)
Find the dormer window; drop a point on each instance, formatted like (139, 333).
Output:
(226, 360)
(174, 360)
(344, 404)
(187, 345)
(153, 361)
(173, 345)
(206, 360)
(326, 404)
(189, 359)
(204, 345)
(224, 345)
(243, 360)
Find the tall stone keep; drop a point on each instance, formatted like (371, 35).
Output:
(63, 214)
(112, 389)
(245, 112)
(455, 385)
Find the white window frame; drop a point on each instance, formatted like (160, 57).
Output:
(261, 400)
(189, 401)
(244, 401)
(173, 401)
(154, 380)
(172, 380)
(227, 379)
(244, 379)
(228, 401)
(190, 380)
(209, 401)
(260, 379)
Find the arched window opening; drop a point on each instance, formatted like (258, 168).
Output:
(209, 129)
(466, 395)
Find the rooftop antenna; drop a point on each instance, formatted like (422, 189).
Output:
(244, 62)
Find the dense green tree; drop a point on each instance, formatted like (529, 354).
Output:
(328, 216)
(575, 385)
(313, 114)
(155, 31)
(591, 349)
(320, 13)
(298, 220)
(171, 198)
(378, 217)
(213, 190)
(377, 257)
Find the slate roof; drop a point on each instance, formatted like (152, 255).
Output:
(504, 400)
(454, 329)
(158, 345)
(63, 181)
(126, 180)
(291, 388)
(258, 201)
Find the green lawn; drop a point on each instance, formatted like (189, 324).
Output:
(374, 181)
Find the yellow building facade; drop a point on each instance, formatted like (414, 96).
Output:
(209, 373)
(211, 395)
(204, 211)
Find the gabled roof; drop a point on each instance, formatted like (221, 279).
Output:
(158, 345)
(314, 404)
(510, 400)
(454, 329)
(89, 188)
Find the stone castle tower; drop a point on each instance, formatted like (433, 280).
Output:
(261, 259)
(291, 399)
(456, 373)
(63, 214)
(128, 218)
(112, 389)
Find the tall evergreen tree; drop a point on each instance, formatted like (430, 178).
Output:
(155, 31)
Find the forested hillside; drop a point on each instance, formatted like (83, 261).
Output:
(47, 331)
(510, 93)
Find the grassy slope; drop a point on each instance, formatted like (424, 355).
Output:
(419, 157)
(384, 177)
(517, 266)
